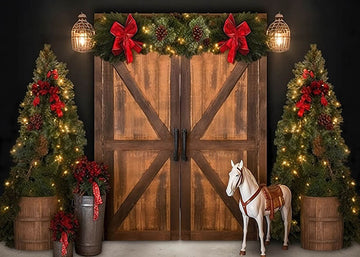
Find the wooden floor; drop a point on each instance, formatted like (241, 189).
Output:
(191, 249)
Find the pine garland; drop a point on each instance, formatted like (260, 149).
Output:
(184, 34)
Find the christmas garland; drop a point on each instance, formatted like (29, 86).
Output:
(119, 37)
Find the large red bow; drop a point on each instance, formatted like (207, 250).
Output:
(237, 40)
(123, 41)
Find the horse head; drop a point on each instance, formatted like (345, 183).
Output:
(235, 177)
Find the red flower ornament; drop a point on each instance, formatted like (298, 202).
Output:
(237, 40)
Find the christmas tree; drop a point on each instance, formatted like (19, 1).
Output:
(311, 153)
(51, 140)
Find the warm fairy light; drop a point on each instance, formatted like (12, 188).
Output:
(52, 184)
(299, 81)
(301, 158)
(294, 172)
(6, 208)
(283, 149)
(200, 47)
(58, 200)
(13, 150)
(324, 163)
(354, 210)
(276, 178)
(65, 172)
(145, 30)
(299, 197)
(353, 183)
(335, 120)
(353, 199)
(307, 184)
(58, 158)
(76, 149)
(186, 15)
(7, 183)
(302, 146)
(25, 120)
(35, 163)
(181, 40)
(285, 163)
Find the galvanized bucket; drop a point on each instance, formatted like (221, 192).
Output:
(89, 238)
(57, 245)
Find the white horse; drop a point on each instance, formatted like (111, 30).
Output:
(254, 204)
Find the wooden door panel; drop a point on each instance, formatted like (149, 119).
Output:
(134, 138)
(223, 124)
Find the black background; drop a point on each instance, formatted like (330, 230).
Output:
(27, 25)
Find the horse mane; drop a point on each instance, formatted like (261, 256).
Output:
(250, 175)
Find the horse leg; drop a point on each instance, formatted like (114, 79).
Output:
(286, 214)
(267, 241)
(260, 221)
(246, 222)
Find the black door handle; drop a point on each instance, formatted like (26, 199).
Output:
(176, 144)
(183, 153)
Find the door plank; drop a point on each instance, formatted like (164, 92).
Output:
(217, 184)
(159, 127)
(209, 114)
(138, 190)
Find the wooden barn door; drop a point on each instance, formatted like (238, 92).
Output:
(218, 112)
(134, 117)
(223, 110)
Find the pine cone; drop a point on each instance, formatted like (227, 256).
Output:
(42, 147)
(35, 122)
(317, 149)
(206, 42)
(197, 33)
(325, 121)
(160, 33)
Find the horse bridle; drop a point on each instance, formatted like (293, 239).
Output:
(241, 179)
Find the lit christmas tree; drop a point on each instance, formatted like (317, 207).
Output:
(51, 139)
(311, 153)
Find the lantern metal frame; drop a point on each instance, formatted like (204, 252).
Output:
(82, 35)
(278, 34)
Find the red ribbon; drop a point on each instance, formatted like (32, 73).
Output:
(64, 243)
(237, 41)
(97, 200)
(123, 41)
(316, 87)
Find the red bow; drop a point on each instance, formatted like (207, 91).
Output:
(64, 243)
(97, 200)
(123, 41)
(53, 73)
(237, 40)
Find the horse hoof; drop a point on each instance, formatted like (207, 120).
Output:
(285, 247)
(242, 253)
(262, 255)
(267, 242)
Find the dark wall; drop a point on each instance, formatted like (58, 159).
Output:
(27, 25)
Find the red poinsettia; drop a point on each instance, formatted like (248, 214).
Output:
(308, 91)
(92, 179)
(63, 227)
(42, 88)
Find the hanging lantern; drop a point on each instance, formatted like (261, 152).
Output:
(279, 35)
(81, 35)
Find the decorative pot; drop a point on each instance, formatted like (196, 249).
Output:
(322, 225)
(31, 227)
(57, 247)
(89, 238)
